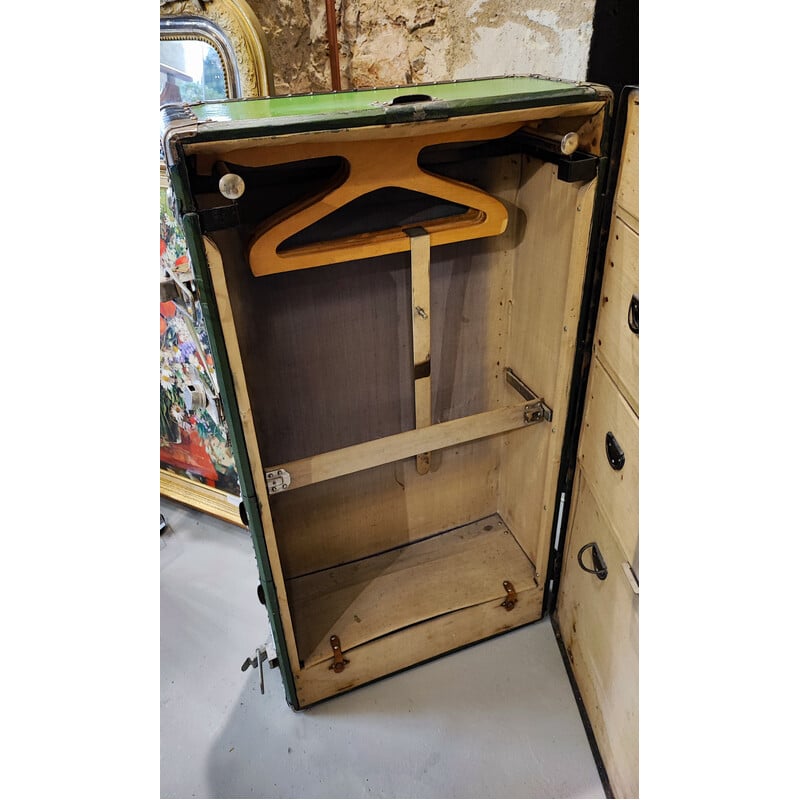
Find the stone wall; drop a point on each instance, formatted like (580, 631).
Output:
(388, 42)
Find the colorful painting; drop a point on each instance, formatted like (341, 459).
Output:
(194, 437)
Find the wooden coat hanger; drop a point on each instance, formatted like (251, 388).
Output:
(372, 165)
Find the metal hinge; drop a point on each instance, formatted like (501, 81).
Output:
(511, 596)
(339, 661)
(535, 411)
(278, 480)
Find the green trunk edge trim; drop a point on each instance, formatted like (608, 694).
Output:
(233, 119)
(194, 238)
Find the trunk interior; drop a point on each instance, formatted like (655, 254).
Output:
(422, 482)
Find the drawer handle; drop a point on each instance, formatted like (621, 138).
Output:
(600, 568)
(633, 314)
(614, 453)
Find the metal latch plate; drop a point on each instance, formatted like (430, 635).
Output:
(278, 480)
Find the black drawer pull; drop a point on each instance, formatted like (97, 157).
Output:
(614, 453)
(600, 569)
(633, 314)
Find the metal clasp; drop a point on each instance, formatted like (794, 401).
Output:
(339, 661)
(511, 596)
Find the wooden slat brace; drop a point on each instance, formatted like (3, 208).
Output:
(421, 332)
(388, 449)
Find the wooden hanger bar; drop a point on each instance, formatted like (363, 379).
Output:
(371, 165)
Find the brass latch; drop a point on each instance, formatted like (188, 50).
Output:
(339, 660)
(511, 596)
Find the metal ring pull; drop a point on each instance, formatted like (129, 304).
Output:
(633, 314)
(600, 569)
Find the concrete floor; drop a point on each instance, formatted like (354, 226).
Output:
(496, 720)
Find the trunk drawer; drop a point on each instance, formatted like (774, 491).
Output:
(617, 338)
(609, 415)
(599, 623)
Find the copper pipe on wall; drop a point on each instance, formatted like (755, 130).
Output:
(333, 44)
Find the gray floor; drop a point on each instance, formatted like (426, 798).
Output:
(497, 720)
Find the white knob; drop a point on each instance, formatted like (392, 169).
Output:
(569, 144)
(231, 186)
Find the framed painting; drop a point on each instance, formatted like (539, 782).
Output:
(210, 49)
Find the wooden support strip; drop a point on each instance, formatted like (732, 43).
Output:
(226, 319)
(422, 405)
(421, 332)
(325, 466)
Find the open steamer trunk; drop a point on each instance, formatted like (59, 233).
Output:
(403, 397)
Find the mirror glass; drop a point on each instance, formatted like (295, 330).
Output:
(191, 72)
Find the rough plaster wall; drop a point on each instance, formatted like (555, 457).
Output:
(386, 42)
(297, 42)
(548, 37)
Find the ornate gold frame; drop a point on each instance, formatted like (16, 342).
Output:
(232, 29)
(240, 28)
